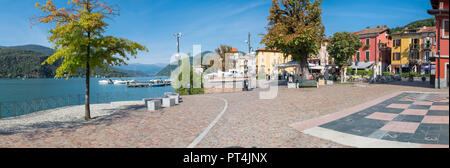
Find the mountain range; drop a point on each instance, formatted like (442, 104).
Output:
(148, 69)
(25, 62)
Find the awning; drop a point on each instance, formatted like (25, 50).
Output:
(317, 68)
(427, 67)
(296, 64)
(289, 64)
(362, 65)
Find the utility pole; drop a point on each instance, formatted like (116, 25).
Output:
(376, 62)
(249, 43)
(178, 36)
(249, 53)
(439, 56)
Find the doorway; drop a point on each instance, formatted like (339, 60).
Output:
(447, 74)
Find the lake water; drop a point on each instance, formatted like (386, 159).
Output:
(19, 97)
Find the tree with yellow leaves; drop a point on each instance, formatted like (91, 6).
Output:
(80, 42)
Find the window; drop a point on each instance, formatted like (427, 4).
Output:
(367, 55)
(367, 41)
(397, 42)
(396, 56)
(426, 56)
(441, 5)
(358, 57)
(415, 55)
(445, 28)
(415, 43)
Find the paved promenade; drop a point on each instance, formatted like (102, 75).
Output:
(247, 121)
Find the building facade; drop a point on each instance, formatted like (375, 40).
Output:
(376, 44)
(267, 61)
(412, 50)
(323, 58)
(440, 11)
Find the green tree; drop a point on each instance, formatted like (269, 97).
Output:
(79, 39)
(295, 29)
(342, 47)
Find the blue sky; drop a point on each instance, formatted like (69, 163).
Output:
(206, 22)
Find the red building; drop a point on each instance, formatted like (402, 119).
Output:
(376, 48)
(440, 11)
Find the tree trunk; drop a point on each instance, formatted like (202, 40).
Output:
(342, 75)
(88, 74)
(304, 68)
(345, 74)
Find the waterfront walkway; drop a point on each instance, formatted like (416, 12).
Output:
(246, 122)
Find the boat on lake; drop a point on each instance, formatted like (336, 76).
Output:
(157, 83)
(120, 82)
(106, 82)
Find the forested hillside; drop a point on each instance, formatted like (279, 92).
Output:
(416, 24)
(25, 62)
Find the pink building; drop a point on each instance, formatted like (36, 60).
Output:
(376, 42)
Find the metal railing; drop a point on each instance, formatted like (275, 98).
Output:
(19, 108)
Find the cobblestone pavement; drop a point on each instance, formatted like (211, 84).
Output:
(248, 121)
(175, 127)
(251, 122)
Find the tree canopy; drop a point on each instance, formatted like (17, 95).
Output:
(295, 28)
(222, 52)
(80, 42)
(342, 47)
(78, 36)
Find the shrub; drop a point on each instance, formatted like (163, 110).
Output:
(194, 91)
(350, 71)
(362, 73)
(408, 74)
(386, 73)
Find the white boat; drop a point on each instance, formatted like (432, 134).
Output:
(157, 83)
(120, 82)
(132, 81)
(106, 82)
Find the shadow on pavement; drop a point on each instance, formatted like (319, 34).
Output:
(71, 125)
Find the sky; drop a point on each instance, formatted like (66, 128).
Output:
(208, 23)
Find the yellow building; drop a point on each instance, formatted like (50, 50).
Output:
(267, 62)
(416, 45)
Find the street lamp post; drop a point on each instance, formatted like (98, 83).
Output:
(249, 53)
(178, 36)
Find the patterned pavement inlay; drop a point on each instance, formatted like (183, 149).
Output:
(409, 117)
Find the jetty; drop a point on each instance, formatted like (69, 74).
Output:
(138, 85)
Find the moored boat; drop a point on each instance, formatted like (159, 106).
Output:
(106, 82)
(120, 82)
(157, 83)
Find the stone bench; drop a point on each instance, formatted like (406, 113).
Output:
(176, 98)
(174, 95)
(304, 83)
(308, 83)
(168, 102)
(153, 104)
(291, 85)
